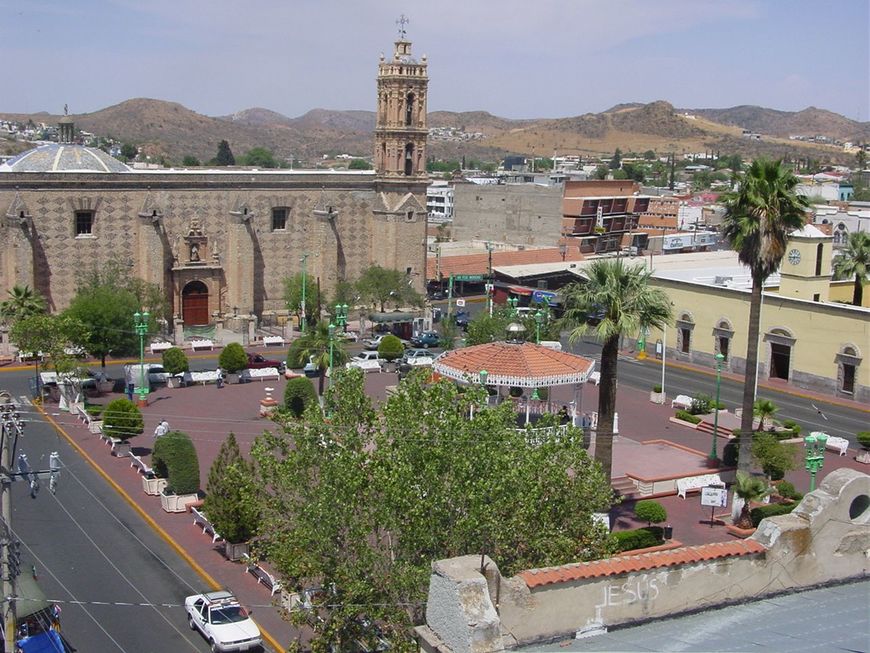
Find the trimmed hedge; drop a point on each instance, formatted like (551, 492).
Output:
(650, 511)
(863, 438)
(639, 538)
(233, 358)
(122, 419)
(94, 410)
(174, 458)
(774, 509)
(686, 416)
(175, 361)
(786, 491)
(391, 348)
(298, 393)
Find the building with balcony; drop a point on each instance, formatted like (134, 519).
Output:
(439, 202)
(598, 215)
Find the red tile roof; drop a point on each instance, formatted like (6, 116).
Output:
(479, 263)
(624, 564)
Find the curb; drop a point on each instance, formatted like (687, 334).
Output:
(145, 516)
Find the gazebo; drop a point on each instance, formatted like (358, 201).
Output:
(516, 364)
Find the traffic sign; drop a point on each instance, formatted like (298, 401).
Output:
(468, 277)
(460, 302)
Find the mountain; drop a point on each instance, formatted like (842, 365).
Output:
(169, 129)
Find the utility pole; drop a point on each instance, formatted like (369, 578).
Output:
(489, 280)
(9, 422)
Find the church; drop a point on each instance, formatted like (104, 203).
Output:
(221, 242)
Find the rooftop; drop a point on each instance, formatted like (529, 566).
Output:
(64, 157)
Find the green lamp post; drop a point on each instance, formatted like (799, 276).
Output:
(331, 348)
(713, 454)
(303, 260)
(815, 455)
(539, 320)
(341, 316)
(140, 323)
(512, 302)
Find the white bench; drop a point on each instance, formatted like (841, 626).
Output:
(682, 401)
(262, 576)
(838, 444)
(199, 519)
(595, 378)
(160, 347)
(24, 356)
(273, 340)
(685, 485)
(191, 378)
(262, 374)
(202, 344)
(140, 465)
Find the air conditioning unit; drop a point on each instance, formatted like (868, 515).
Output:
(723, 281)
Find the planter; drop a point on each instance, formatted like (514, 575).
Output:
(236, 551)
(153, 486)
(657, 397)
(176, 502)
(864, 457)
(739, 532)
(96, 426)
(122, 449)
(174, 382)
(233, 377)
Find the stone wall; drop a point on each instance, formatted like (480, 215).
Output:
(825, 539)
(522, 214)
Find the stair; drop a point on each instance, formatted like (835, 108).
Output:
(624, 487)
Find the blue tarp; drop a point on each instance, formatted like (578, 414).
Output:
(48, 642)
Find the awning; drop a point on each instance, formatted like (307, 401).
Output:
(389, 318)
(520, 290)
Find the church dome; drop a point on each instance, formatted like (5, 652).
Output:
(63, 157)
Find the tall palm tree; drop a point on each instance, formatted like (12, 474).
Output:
(854, 261)
(758, 219)
(314, 346)
(615, 300)
(23, 302)
(765, 409)
(749, 488)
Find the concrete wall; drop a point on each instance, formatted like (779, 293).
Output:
(825, 539)
(522, 214)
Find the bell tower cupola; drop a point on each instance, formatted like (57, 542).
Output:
(401, 130)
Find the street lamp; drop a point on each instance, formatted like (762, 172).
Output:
(512, 302)
(713, 455)
(140, 322)
(303, 261)
(539, 320)
(815, 455)
(331, 343)
(341, 316)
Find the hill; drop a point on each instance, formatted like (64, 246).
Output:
(808, 122)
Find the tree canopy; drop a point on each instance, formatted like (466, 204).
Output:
(293, 297)
(381, 285)
(854, 262)
(359, 164)
(224, 155)
(22, 302)
(260, 157)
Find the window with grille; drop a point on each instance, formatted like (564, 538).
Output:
(279, 219)
(84, 223)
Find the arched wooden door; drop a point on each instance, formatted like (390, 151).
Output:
(194, 304)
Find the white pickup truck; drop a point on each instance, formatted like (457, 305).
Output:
(367, 361)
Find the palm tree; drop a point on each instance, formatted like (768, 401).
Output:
(854, 261)
(764, 409)
(314, 346)
(758, 219)
(749, 488)
(615, 300)
(23, 302)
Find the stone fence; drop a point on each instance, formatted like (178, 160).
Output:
(826, 538)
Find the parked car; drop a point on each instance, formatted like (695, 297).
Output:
(222, 621)
(367, 361)
(350, 336)
(154, 374)
(462, 318)
(259, 362)
(426, 339)
(417, 357)
(374, 343)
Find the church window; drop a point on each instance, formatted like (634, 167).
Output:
(84, 223)
(819, 250)
(409, 109)
(279, 219)
(409, 159)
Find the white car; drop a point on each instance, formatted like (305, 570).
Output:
(222, 621)
(367, 361)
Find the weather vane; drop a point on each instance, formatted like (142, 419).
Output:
(403, 20)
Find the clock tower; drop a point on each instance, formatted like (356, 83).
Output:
(806, 268)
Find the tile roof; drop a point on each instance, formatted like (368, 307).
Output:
(524, 365)
(631, 563)
(479, 263)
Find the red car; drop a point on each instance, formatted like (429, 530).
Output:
(258, 362)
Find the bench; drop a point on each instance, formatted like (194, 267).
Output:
(273, 340)
(683, 402)
(262, 374)
(199, 519)
(595, 378)
(160, 347)
(685, 485)
(192, 378)
(202, 344)
(140, 466)
(840, 445)
(262, 576)
(25, 356)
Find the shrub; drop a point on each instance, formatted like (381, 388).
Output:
(233, 358)
(793, 429)
(762, 512)
(230, 501)
(543, 393)
(703, 404)
(122, 419)
(94, 410)
(650, 511)
(515, 391)
(774, 457)
(863, 439)
(731, 454)
(686, 416)
(391, 348)
(174, 458)
(175, 361)
(298, 393)
(786, 491)
(295, 359)
(639, 538)
(657, 387)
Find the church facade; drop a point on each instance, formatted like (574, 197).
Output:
(221, 242)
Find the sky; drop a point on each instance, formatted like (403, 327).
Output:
(512, 58)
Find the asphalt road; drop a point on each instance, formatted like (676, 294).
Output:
(86, 544)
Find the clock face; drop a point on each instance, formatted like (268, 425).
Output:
(794, 257)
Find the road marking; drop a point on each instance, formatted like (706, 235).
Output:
(24, 401)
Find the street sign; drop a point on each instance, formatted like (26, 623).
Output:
(714, 496)
(468, 277)
(460, 303)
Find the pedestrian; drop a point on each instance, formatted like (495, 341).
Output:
(219, 381)
(130, 388)
(162, 429)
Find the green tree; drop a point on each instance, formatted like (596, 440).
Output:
(359, 164)
(764, 410)
(635, 172)
(861, 158)
(190, 161)
(174, 458)
(129, 151)
(224, 155)
(364, 504)
(750, 489)
(616, 161)
(260, 157)
(649, 155)
(619, 173)
(106, 311)
(344, 293)
(175, 361)
(652, 512)
(774, 457)
(314, 345)
(122, 419)
(758, 218)
(230, 500)
(381, 285)
(22, 302)
(484, 328)
(299, 393)
(601, 172)
(233, 358)
(854, 262)
(53, 335)
(621, 294)
(293, 298)
(390, 348)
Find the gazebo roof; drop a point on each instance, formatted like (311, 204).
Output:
(524, 365)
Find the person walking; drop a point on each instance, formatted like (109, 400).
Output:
(162, 429)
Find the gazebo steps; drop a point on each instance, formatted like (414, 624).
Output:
(624, 487)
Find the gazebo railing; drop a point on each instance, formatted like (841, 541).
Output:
(536, 435)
